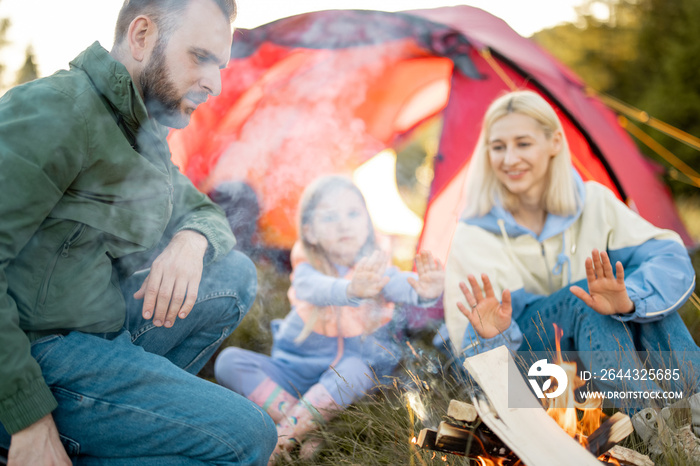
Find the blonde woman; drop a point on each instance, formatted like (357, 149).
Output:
(537, 246)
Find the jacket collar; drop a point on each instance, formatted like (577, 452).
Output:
(114, 83)
(553, 225)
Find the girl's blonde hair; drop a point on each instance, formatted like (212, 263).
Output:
(483, 188)
(310, 199)
(315, 255)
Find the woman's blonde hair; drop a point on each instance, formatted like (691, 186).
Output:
(312, 195)
(484, 190)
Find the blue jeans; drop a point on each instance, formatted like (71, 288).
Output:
(602, 342)
(124, 398)
(242, 371)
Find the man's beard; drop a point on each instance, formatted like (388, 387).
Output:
(159, 92)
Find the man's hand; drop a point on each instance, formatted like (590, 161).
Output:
(431, 276)
(368, 278)
(608, 295)
(38, 444)
(170, 290)
(488, 316)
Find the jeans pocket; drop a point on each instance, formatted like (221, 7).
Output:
(71, 446)
(42, 346)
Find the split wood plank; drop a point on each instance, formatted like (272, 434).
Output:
(461, 411)
(629, 457)
(527, 429)
(611, 432)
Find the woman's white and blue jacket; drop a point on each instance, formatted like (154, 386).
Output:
(658, 273)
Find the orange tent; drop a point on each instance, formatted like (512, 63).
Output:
(323, 92)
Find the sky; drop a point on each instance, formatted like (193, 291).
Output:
(59, 30)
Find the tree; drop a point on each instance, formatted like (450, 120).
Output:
(4, 26)
(29, 71)
(598, 49)
(671, 39)
(643, 53)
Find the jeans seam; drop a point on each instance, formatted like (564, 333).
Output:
(135, 336)
(225, 332)
(214, 295)
(217, 294)
(43, 354)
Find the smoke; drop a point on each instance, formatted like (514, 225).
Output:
(307, 121)
(415, 403)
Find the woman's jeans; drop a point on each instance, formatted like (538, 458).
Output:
(603, 343)
(133, 397)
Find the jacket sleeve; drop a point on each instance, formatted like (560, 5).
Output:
(659, 275)
(320, 289)
(41, 153)
(398, 290)
(476, 251)
(193, 210)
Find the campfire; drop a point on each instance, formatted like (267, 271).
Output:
(578, 419)
(491, 433)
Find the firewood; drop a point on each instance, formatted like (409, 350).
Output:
(611, 432)
(426, 439)
(628, 457)
(461, 411)
(527, 429)
(472, 441)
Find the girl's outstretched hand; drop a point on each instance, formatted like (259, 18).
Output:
(488, 316)
(606, 294)
(431, 276)
(368, 279)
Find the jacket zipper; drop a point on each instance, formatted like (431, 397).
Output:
(63, 251)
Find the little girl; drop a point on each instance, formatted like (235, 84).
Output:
(335, 342)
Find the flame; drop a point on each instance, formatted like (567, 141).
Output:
(414, 440)
(578, 419)
(489, 461)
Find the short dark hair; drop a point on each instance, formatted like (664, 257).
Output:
(164, 14)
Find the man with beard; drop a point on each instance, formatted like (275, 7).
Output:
(99, 353)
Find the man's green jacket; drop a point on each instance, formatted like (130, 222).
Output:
(89, 194)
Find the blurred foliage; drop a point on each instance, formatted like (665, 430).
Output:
(415, 154)
(29, 70)
(644, 53)
(4, 26)
(689, 210)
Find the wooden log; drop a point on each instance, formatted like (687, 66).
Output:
(461, 411)
(471, 441)
(628, 457)
(426, 439)
(611, 432)
(452, 438)
(526, 429)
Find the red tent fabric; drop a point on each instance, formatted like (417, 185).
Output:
(323, 92)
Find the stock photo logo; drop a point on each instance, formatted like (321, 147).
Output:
(542, 368)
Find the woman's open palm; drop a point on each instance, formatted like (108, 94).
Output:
(488, 316)
(607, 293)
